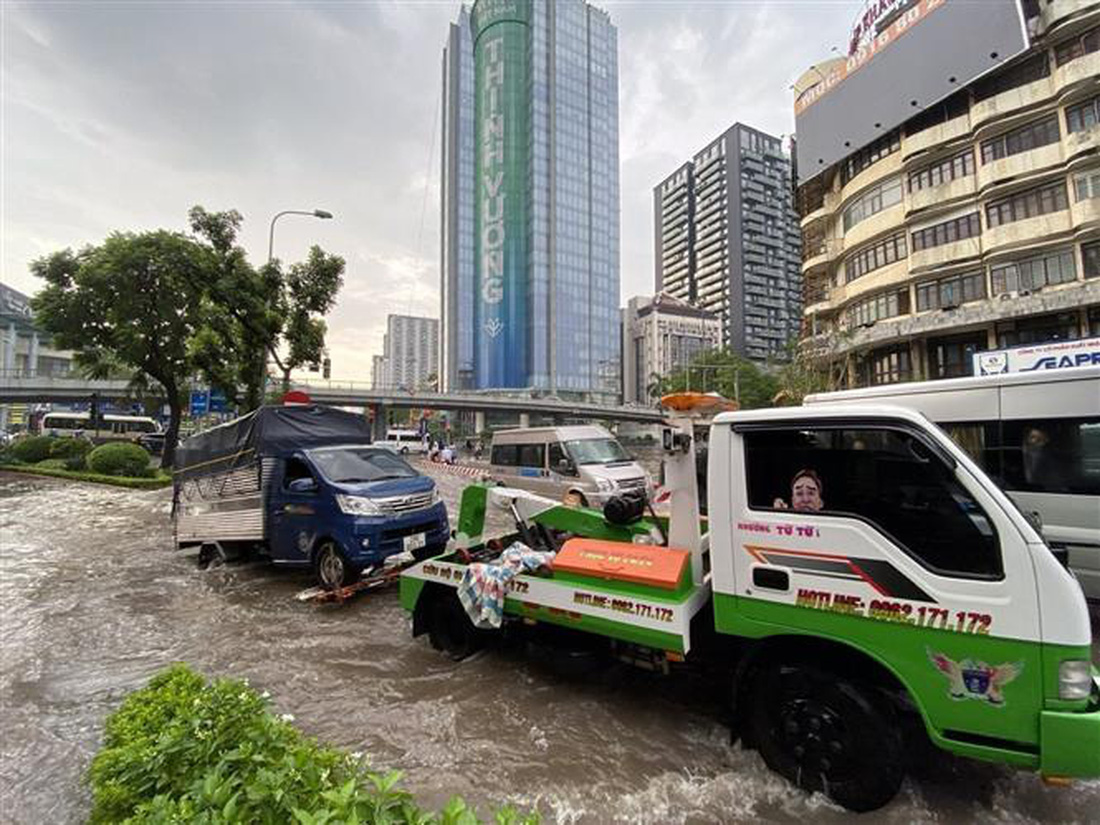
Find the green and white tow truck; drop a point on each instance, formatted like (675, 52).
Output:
(916, 593)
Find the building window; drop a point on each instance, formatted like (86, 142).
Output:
(876, 151)
(877, 307)
(1087, 185)
(1037, 330)
(1083, 116)
(1090, 257)
(875, 257)
(946, 170)
(1079, 46)
(888, 366)
(1032, 203)
(968, 226)
(1030, 70)
(1034, 273)
(874, 200)
(954, 357)
(1030, 136)
(950, 292)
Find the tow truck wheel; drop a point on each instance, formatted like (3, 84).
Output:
(332, 568)
(450, 629)
(825, 733)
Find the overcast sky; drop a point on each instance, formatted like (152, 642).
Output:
(122, 116)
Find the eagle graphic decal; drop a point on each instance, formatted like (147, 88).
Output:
(973, 679)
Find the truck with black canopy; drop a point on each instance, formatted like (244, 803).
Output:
(304, 486)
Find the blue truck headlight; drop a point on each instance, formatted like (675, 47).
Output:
(436, 497)
(357, 505)
(1074, 679)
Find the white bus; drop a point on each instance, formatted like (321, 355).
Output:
(1036, 433)
(110, 427)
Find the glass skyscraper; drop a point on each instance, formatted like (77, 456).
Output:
(530, 217)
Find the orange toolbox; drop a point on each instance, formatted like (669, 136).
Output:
(661, 567)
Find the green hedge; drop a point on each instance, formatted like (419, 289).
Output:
(186, 750)
(32, 449)
(151, 483)
(119, 459)
(70, 448)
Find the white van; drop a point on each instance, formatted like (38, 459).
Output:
(405, 441)
(585, 462)
(109, 427)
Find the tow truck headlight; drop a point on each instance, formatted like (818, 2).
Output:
(358, 506)
(605, 485)
(1074, 679)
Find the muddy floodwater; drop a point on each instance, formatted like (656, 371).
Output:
(94, 601)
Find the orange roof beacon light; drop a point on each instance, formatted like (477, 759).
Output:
(698, 403)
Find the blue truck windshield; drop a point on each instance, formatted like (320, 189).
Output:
(352, 464)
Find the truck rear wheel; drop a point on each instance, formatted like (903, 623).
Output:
(825, 733)
(450, 629)
(332, 568)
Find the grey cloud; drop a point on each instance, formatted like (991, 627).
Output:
(121, 116)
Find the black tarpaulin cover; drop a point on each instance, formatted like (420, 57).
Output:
(269, 431)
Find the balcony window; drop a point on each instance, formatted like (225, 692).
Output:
(873, 201)
(1090, 257)
(951, 291)
(950, 108)
(1083, 116)
(1034, 273)
(884, 305)
(1038, 133)
(1086, 186)
(887, 366)
(1042, 200)
(1079, 46)
(876, 151)
(1030, 70)
(875, 257)
(968, 226)
(954, 357)
(1037, 330)
(959, 166)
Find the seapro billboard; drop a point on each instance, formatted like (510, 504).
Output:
(500, 174)
(1055, 355)
(903, 58)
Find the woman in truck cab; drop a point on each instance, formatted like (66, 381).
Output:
(806, 489)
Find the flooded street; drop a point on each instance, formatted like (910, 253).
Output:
(94, 601)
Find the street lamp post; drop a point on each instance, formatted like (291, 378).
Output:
(316, 213)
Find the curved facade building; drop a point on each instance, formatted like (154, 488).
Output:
(972, 225)
(530, 257)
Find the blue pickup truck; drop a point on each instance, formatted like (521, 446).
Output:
(303, 485)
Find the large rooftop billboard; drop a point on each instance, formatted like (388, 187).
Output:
(905, 56)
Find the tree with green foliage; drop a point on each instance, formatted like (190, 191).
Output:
(727, 374)
(259, 314)
(803, 373)
(128, 303)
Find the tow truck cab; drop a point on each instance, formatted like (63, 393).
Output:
(917, 575)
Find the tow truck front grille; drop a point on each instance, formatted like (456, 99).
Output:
(395, 505)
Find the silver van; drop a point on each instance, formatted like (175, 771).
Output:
(584, 462)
